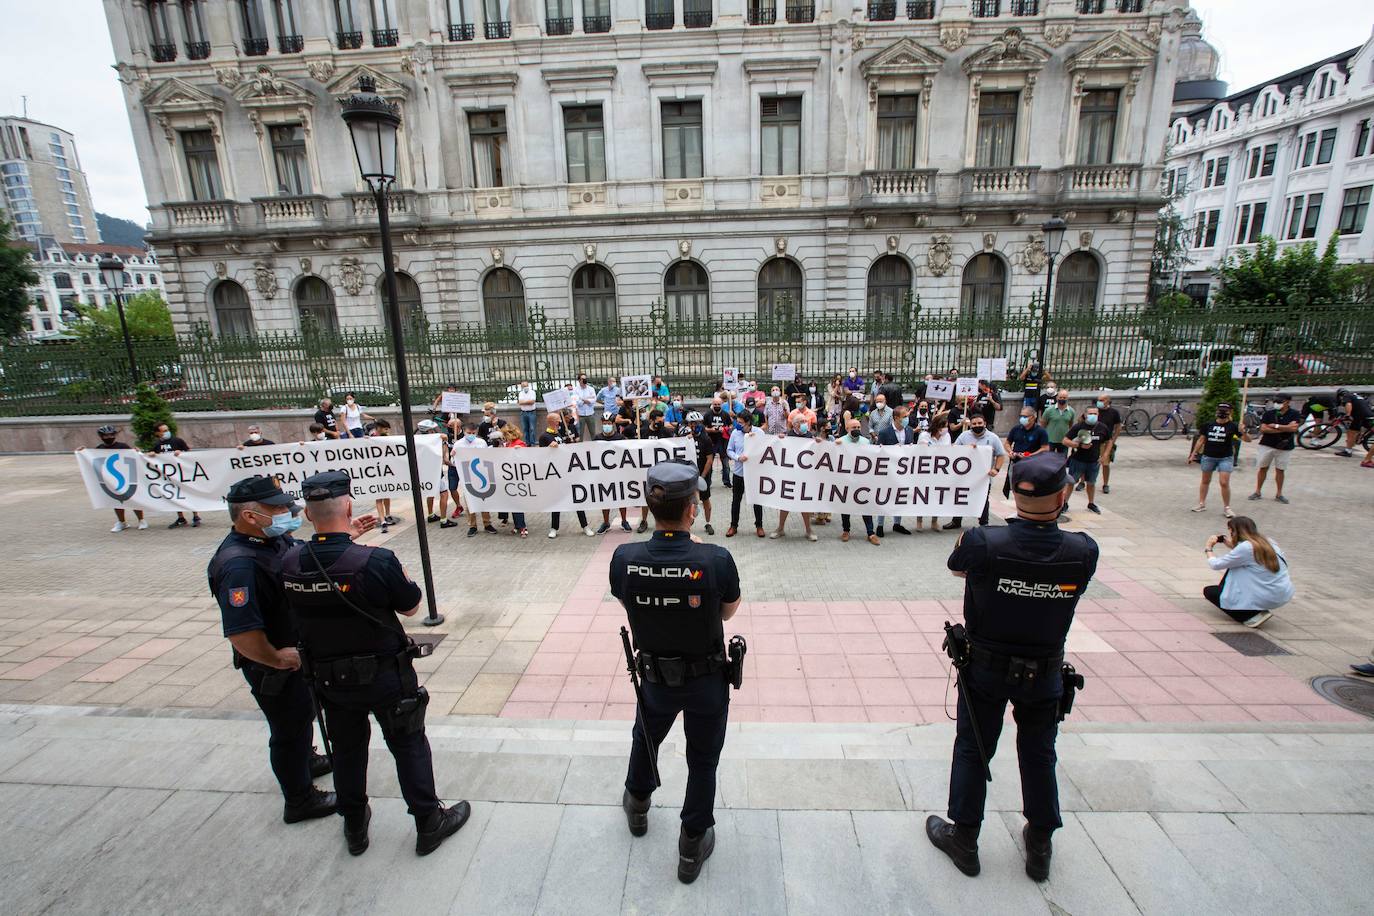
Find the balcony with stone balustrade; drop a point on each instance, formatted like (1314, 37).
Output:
(1080, 184)
(897, 187)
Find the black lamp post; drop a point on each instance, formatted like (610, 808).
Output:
(373, 121)
(112, 275)
(1054, 229)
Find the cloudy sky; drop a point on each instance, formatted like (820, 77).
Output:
(60, 57)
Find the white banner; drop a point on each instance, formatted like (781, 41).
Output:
(992, 369)
(583, 475)
(803, 475)
(196, 481)
(966, 388)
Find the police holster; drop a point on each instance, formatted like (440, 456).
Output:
(1073, 682)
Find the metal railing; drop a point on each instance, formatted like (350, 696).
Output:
(763, 15)
(348, 41)
(1025, 8)
(882, 10)
(920, 9)
(386, 38)
(596, 24)
(1130, 6)
(1120, 347)
(1091, 7)
(696, 19)
(256, 47)
(560, 25)
(800, 13)
(659, 21)
(290, 44)
(462, 31)
(985, 9)
(163, 53)
(496, 29)
(197, 50)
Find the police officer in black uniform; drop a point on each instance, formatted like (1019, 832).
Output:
(344, 599)
(1023, 582)
(677, 593)
(245, 578)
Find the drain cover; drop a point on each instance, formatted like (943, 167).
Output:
(1347, 693)
(1251, 644)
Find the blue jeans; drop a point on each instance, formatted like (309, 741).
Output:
(705, 706)
(1222, 465)
(527, 429)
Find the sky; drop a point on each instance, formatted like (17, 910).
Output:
(61, 58)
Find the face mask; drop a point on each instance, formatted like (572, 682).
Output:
(607, 428)
(109, 441)
(167, 434)
(979, 430)
(319, 435)
(1025, 421)
(469, 437)
(1091, 418)
(803, 428)
(900, 422)
(1101, 404)
(880, 406)
(923, 411)
(853, 375)
(255, 437)
(282, 524)
(1062, 402)
(350, 401)
(854, 435)
(677, 404)
(813, 389)
(739, 426)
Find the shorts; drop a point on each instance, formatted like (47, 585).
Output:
(452, 479)
(1224, 465)
(1360, 424)
(1084, 470)
(1111, 456)
(1278, 457)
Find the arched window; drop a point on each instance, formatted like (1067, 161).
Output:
(889, 282)
(688, 292)
(1076, 285)
(138, 279)
(152, 278)
(233, 313)
(984, 290)
(407, 300)
(593, 295)
(62, 281)
(315, 306)
(503, 298)
(780, 290)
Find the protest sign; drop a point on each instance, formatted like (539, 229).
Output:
(784, 372)
(992, 369)
(557, 399)
(196, 481)
(1249, 366)
(940, 391)
(636, 386)
(730, 379)
(966, 388)
(455, 402)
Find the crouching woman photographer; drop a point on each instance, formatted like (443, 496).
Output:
(1256, 580)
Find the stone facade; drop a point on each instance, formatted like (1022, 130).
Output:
(839, 207)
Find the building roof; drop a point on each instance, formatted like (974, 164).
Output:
(126, 251)
(1285, 83)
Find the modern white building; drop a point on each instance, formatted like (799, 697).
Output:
(594, 157)
(1292, 159)
(69, 274)
(44, 189)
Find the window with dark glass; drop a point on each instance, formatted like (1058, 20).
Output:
(593, 296)
(1304, 212)
(1363, 147)
(202, 164)
(780, 290)
(682, 139)
(503, 299)
(1025, 7)
(658, 14)
(882, 10)
(407, 301)
(163, 44)
(1354, 209)
(315, 306)
(558, 17)
(696, 14)
(460, 27)
(350, 33)
(996, 145)
(62, 281)
(497, 24)
(897, 131)
(780, 121)
(889, 283)
(985, 9)
(688, 292)
(288, 154)
(1250, 223)
(1326, 146)
(1097, 126)
(233, 312)
(596, 16)
(584, 131)
(920, 9)
(803, 11)
(1206, 227)
(1076, 283)
(255, 41)
(488, 131)
(982, 295)
(763, 12)
(289, 40)
(193, 20)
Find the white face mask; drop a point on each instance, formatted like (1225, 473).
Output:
(255, 437)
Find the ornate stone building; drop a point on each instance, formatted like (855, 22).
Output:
(594, 157)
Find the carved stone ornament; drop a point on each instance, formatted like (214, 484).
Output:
(589, 252)
(498, 256)
(410, 238)
(952, 37)
(684, 248)
(1018, 217)
(941, 255)
(265, 280)
(417, 62)
(893, 241)
(320, 70)
(989, 241)
(322, 243)
(920, 220)
(1085, 239)
(228, 76)
(870, 220)
(266, 83)
(305, 266)
(221, 269)
(780, 243)
(234, 247)
(351, 275)
(1120, 216)
(1057, 33)
(1033, 256)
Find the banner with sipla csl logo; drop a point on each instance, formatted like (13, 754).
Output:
(196, 481)
(584, 475)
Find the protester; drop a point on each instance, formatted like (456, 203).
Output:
(572, 432)
(853, 439)
(675, 417)
(802, 409)
(1109, 417)
(317, 432)
(471, 439)
(1361, 419)
(431, 428)
(899, 433)
(739, 437)
(920, 418)
(608, 394)
(719, 423)
(979, 436)
(936, 434)
(775, 413)
(525, 398)
(653, 426)
(694, 428)
(167, 442)
(1214, 449)
(109, 439)
(656, 386)
(880, 417)
(988, 403)
(584, 396)
(486, 425)
(1032, 378)
(436, 405)
(552, 437)
(354, 415)
(325, 417)
(1085, 441)
(853, 381)
(1025, 439)
(1256, 578)
(255, 438)
(797, 428)
(1278, 437)
(891, 391)
(383, 506)
(1057, 419)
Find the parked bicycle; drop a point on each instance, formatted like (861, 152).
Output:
(1137, 422)
(1254, 414)
(1325, 433)
(1177, 419)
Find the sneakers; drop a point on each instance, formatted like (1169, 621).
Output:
(692, 853)
(355, 831)
(1345, 453)
(179, 523)
(472, 532)
(636, 813)
(709, 529)
(1253, 497)
(440, 825)
(1229, 513)
(1281, 499)
(604, 527)
(811, 536)
(524, 532)
(1258, 620)
(1038, 852)
(489, 529)
(643, 526)
(432, 518)
(880, 532)
(589, 531)
(625, 527)
(900, 529)
(873, 539)
(195, 521)
(950, 526)
(448, 523)
(392, 520)
(143, 525)
(958, 842)
(1082, 485)
(118, 527)
(553, 533)
(1364, 670)
(773, 536)
(1200, 507)
(319, 804)
(1106, 489)
(1092, 507)
(384, 526)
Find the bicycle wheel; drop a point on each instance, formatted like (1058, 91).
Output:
(1319, 436)
(1164, 426)
(1252, 424)
(1137, 422)
(1367, 441)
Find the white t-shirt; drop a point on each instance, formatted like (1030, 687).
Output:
(353, 416)
(525, 397)
(925, 439)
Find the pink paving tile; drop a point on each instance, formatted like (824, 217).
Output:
(786, 714)
(35, 668)
(1110, 714)
(1253, 666)
(894, 623)
(883, 692)
(1141, 691)
(1098, 692)
(825, 666)
(551, 663)
(600, 640)
(920, 665)
(1227, 713)
(583, 605)
(1194, 691)
(79, 646)
(768, 625)
(1263, 691)
(895, 715)
(885, 607)
(577, 711)
(1276, 712)
(779, 666)
(807, 608)
(864, 665)
(1204, 664)
(1105, 664)
(936, 715)
(778, 691)
(562, 642)
(839, 713)
(860, 623)
(774, 644)
(1174, 712)
(571, 623)
(610, 609)
(768, 608)
(112, 671)
(608, 623)
(740, 713)
(585, 690)
(952, 606)
(1157, 664)
(906, 643)
(538, 688)
(929, 691)
(1188, 642)
(924, 608)
(833, 691)
(1329, 713)
(816, 643)
(595, 663)
(622, 691)
(153, 648)
(1130, 641)
(813, 623)
(854, 643)
(624, 712)
(518, 710)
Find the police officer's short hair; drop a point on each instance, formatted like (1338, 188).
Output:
(670, 489)
(668, 508)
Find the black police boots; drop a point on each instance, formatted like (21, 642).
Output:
(319, 764)
(692, 853)
(441, 825)
(958, 842)
(355, 831)
(319, 804)
(1038, 851)
(636, 813)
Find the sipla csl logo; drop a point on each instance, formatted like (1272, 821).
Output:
(116, 475)
(481, 478)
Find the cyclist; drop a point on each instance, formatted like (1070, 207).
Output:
(1361, 419)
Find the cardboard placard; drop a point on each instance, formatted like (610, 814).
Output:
(992, 369)
(1249, 366)
(455, 402)
(557, 399)
(784, 372)
(730, 379)
(966, 387)
(636, 386)
(939, 391)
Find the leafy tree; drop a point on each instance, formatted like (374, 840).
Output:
(117, 231)
(1293, 279)
(1170, 255)
(1219, 388)
(150, 411)
(16, 276)
(146, 313)
(1357, 281)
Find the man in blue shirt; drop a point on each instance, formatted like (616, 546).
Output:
(1026, 438)
(608, 395)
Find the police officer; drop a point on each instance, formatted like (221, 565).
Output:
(245, 578)
(344, 598)
(1022, 584)
(677, 593)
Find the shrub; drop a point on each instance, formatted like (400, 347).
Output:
(150, 411)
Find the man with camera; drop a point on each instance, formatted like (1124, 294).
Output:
(677, 593)
(1022, 583)
(344, 599)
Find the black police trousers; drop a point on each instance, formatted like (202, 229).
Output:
(737, 497)
(705, 706)
(1036, 711)
(290, 716)
(346, 712)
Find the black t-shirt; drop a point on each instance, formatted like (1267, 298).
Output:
(1097, 433)
(249, 443)
(647, 430)
(547, 438)
(1359, 407)
(1032, 384)
(174, 444)
(1109, 417)
(893, 392)
(918, 422)
(705, 448)
(1283, 441)
(1218, 439)
(485, 427)
(114, 445)
(326, 419)
(717, 424)
(983, 404)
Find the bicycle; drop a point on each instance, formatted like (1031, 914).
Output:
(1326, 433)
(1137, 421)
(1172, 422)
(1254, 415)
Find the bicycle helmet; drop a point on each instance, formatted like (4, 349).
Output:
(106, 430)
(427, 426)
(694, 417)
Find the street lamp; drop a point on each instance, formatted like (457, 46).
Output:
(373, 121)
(112, 275)
(1054, 229)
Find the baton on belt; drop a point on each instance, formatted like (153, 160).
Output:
(308, 672)
(639, 705)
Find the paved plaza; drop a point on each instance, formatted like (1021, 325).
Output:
(1195, 778)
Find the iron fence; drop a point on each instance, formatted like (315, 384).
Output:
(1119, 348)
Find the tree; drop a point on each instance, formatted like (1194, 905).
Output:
(1219, 388)
(1292, 279)
(150, 411)
(1170, 255)
(16, 276)
(146, 313)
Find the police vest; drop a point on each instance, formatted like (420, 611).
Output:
(1025, 599)
(266, 556)
(327, 626)
(673, 602)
